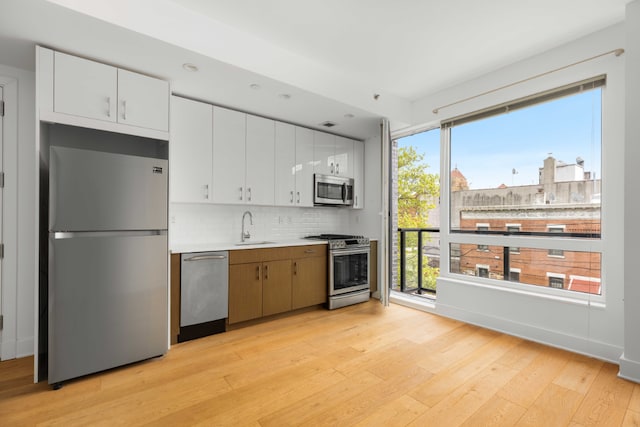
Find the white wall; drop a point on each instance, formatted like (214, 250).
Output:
(592, 326)
(19, 265)
(630, 362)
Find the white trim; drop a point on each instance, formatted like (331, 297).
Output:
(556, 275)
(514, 270)
(9, 283)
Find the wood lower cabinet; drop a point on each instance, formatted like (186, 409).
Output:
(263, 282)
(309, 285)
(245, 292)
(276, 287)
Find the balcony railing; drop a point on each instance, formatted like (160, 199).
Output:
(419, 260)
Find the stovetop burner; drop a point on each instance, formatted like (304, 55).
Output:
(342, 241)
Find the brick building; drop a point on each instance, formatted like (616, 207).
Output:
(566, 201)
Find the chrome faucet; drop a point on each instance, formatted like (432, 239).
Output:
(245, 234)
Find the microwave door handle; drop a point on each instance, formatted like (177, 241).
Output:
(344, 193)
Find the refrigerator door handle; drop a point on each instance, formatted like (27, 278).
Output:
(77, 234)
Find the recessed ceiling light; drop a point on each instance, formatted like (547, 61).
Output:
(284, 96)
(254, 86)
(349, 116)
(190, 67)
(328, 124)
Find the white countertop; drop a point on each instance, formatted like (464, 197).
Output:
(229, 246)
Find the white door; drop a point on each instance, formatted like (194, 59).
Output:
(323, 153)
(285, 164)
(84, 88)
(260, 158)
(229, 129)
(191, 151)
(143, 101)
(1, 207)
(304, 167)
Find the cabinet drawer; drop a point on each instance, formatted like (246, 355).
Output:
(245, 256)
(308, 251)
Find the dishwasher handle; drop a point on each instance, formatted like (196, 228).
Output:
(205, 257)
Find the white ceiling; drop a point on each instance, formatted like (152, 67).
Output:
(332, 57)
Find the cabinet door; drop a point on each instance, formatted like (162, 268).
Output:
(309, 282)
(358, 174)
(143, 101)
(260, 158)
(229, 129)
(323, 153)
(343, 157)
(276, 287)
(84, 88)
(285, 164)
(245, 292)
(304, 167)
(190, 150)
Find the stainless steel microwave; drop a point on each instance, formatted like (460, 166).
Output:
(332, 190)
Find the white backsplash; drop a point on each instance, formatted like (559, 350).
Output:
(209, 223)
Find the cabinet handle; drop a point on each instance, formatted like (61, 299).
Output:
(292, 197)
(295, 268)
(124, 110)
(206, 191)
(310, 251)
(266, 272)
(356, 204)
(258, 273)
(337, 168)
(332, 168)
(241, 193)
(298, 194)
(248, 194)
(108, 106)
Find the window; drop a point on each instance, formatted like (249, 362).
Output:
(482, 227)
(513, 228)
(556, 229)
(535, 160)
(556, 282)
(482, 270)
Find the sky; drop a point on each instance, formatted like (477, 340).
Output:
(488, 151)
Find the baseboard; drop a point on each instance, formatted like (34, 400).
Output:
(629, 369)
(575, 344)
(24, 347)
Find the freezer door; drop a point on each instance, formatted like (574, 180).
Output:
(91, 190)
(107, 302)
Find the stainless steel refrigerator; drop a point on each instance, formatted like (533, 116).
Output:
(107, 267)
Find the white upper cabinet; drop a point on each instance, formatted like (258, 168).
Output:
(333, 155)
(358, 174)
(260, 159)
(285, 164)
(304, 165)
(229, 136)
(142, 101)
(324, 145)
(191, 151)
(85, 88)
(80, 92)
(343, 157)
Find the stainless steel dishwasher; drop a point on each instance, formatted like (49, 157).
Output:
(204, 294)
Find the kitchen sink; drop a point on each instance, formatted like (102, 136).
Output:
(248, 243)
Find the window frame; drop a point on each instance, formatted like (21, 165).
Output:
(448, 237)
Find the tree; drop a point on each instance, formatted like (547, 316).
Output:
(418, 192)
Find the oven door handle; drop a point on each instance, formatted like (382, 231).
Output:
(337, 252)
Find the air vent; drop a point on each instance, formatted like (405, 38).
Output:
(328, 124)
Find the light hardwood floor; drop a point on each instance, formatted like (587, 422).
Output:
(361, 365)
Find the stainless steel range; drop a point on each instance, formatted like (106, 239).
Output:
(348, 269)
